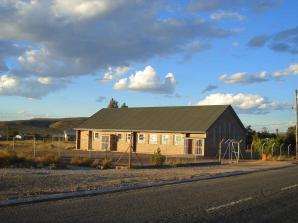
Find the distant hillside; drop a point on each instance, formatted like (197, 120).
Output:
(42, 126)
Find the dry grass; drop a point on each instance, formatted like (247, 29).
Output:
(22, 153)
(25, 147)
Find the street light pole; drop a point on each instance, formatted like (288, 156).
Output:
(296, 100)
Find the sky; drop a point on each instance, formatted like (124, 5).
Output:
(67, 58)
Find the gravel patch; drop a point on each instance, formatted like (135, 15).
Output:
(16, 183)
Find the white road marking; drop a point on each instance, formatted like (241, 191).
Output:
(229, 204)
(289, 187)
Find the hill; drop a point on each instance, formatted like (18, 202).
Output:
(43, 126)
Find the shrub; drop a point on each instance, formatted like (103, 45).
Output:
(107, 164)
(79, 161)
(49, 159)
(157, 158)
(96, 163)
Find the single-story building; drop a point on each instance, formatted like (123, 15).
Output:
(176, 130)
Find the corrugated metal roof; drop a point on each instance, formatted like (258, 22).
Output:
(171, 119)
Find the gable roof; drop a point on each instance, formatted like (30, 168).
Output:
(160, 119)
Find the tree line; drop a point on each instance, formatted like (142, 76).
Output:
(115, 104)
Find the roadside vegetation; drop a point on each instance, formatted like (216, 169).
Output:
(272, 146)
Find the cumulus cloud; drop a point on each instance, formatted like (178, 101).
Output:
(209, 88)
(245, 103)
(290, 70)
(147, 81)
(114, 73)
(30, 87)
(244, 78)
(223, 15)
(83, 37)
(285, 41)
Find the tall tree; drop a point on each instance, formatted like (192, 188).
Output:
(124, 105)
(113, 104)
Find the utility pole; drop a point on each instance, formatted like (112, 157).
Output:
(296, 100)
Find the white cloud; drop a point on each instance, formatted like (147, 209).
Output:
(243, 77)
(84, 9)
(147, 81)
(83, 37)
(246, 103)
(7, 83)
(222, 15)
(290, 70)
(30, 87)
(114, 74)
(44, 80)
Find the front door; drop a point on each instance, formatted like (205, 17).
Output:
(199, 149)
(105, 142)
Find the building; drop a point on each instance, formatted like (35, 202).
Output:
(174, 130)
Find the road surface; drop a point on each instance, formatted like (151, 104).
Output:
(270, 196)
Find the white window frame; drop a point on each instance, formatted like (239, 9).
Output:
(96, 138)
(139, 140)
(152, 141)
(117, 135)
(165, 139)
(178, 142)
(128, 137)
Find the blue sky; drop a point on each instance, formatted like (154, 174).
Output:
(68, 58)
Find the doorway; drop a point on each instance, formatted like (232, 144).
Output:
(105, 142)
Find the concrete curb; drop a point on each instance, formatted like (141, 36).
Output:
(68, 195)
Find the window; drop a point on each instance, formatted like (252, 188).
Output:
(96, 136)
(119, 136)
(128, 137)
(165, 139)
(179, 139)
(141, 138)
(152, 139)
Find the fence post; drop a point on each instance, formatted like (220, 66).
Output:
(263, 148)
(272, 149)
(289, 149)
(34, 147)
(251, 151)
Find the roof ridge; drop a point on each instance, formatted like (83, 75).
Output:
(182, 106)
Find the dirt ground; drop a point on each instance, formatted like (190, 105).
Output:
(16, 183)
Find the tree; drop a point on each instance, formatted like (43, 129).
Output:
(249, 134)
(124, 105)
(290, 136)
(113, 103)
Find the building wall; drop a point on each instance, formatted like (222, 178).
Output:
(141, 147)
(227, 127)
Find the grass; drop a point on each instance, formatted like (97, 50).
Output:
(20, 153)
(12, 159)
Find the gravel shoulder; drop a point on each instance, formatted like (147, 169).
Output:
(16, 183)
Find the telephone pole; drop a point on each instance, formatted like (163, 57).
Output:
(296, 100)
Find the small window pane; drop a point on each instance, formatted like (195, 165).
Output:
(96, 136)
(128, 137)
(141, 138)
(179, 140)
(152, 139)
(165, 139)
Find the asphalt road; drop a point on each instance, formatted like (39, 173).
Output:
(270, 196)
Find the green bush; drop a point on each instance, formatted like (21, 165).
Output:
(157, 158)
